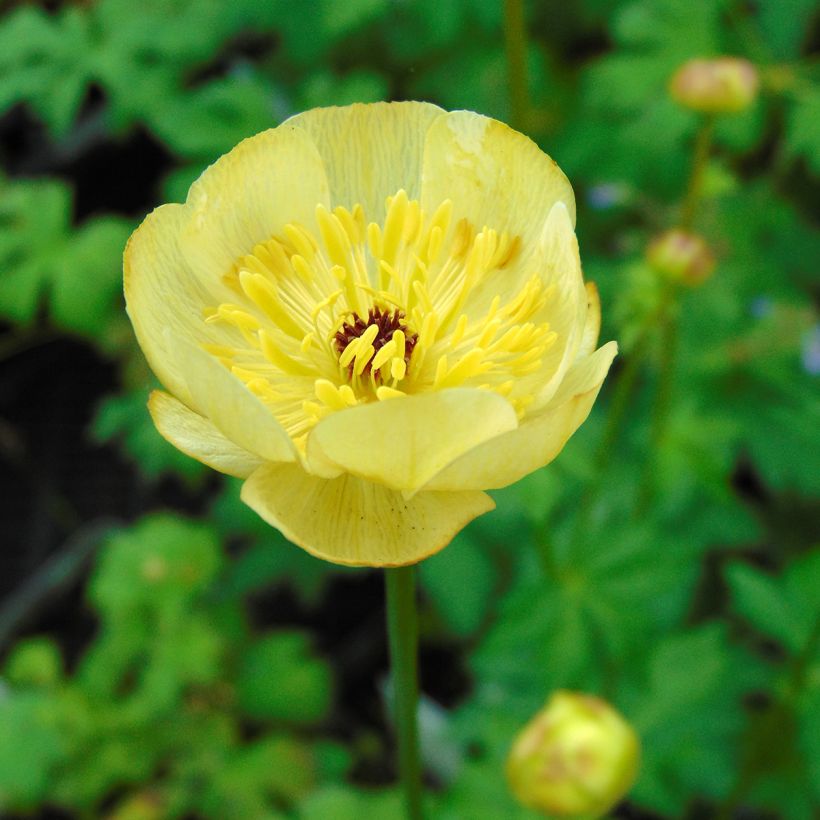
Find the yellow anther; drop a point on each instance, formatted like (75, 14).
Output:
(394, 225)
(363, 356)
(303, 243)
(374, 240)
(458, 332)
(261, 291)
(349, 353)
(399, 341)
(276, 356)
(337, 242)
(384, 392)
(384, 354)
(398, 369)
(329, 394)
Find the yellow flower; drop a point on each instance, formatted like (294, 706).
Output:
(372, 314)
(576, 758)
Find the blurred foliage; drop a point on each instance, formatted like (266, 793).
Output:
(669, 559)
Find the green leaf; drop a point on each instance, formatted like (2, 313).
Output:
(786, 608)
(86, 287)
(280, 679)
(161, 559)
(124, 418)
(30, 745)
(460, 581)
(803, 128)
(346, 803)
(687, 707)
(47, 57)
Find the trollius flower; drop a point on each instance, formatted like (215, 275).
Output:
(373, 314)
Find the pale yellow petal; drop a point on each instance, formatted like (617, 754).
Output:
(237, 413)
(163, 293)
(404, 442)
(174, 262)
(494, 175)
(197, 437)
(592, 325)
(560, 263)
(249, 195)
(538, 440)
(350, 521)
(370, 151)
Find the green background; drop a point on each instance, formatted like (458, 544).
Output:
(165, 654)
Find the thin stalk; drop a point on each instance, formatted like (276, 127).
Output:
(402, 629)
(700, 160)
(515, 41)
(663, 397)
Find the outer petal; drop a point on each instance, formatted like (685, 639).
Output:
(350, 521)
(236, 412)
(370, 151)
(174, 262)
(250, 194)
(494, 175)
(404, 442)
(560, 262)
(508, 458)
(592, 325)
(198, 438)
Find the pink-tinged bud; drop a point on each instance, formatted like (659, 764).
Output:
(721, 86)
(576, 758)
(681, 256)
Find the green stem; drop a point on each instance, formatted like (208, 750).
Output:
(515, 40)
(663, 397)
(703, 147)
(402, 628)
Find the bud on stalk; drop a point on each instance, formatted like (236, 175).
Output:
(576, 758)
(724, 85)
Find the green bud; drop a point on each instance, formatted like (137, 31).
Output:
(35, 662)
(724, 85)
(681, 256)
(576, 758)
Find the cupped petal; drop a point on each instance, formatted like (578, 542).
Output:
(370, 151)
(175, 261)
(163, 294)
(218, 395)
(249, 195)
(592, 322)
(538, 440)
(197, 437)
(559, 261)
(350, 521)
(494, 175)
(403, 442)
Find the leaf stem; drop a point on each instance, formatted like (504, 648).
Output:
(402, 629)
(515, 40)
(700, 160)
(668, 321)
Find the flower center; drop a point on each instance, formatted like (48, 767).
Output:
(366, 345)
(361, 311)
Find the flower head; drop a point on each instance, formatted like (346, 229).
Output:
(723, 85)
(681, 256)
(372, 314)
(576, 757)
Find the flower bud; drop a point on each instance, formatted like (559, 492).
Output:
(576, 757)
(681, 256)
(720, 86)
